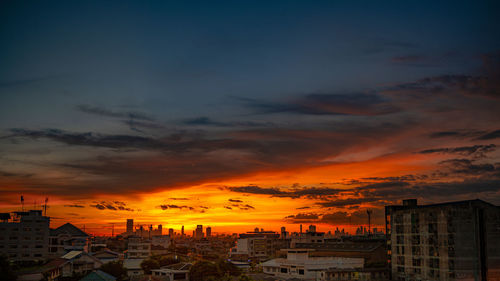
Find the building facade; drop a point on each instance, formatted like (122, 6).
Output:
(24, 236)
(449, 241)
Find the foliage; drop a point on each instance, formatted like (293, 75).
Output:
(204, 271)
(116, 269)
(245, 278)
(226, 267)
(149, 264)
(6, 269)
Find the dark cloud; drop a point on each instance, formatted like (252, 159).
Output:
(235, 200)
(181, 198)
(361, 104)
(461, 134)
(207, 121)
(113, 206)
(74, 206)
(311, 193)
(302, 217)
(490, 135)
(109, 113)
(347, 202)
(476, 150)
(469, 167)
(358, 217)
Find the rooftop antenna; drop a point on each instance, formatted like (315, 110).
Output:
(45, 206)
(22, 203)
(369, 212)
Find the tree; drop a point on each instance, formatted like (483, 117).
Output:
(163, 261)
(226, 267)
(149, 264)
(6, 270)
(245, 278)
(204, 271)
(116, 269)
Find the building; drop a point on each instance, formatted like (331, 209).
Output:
(98, 275)
(299, 264)
(171, 232)
(130, 226)
(448, 241)
(107, 255)
(138, 248)
(24, 236)
(257, 245)
(182, 231)
(160, 244)
(173, 272)
(358, 274)
(199, 232)
(67, 238)
(209, 231)
(133, 267)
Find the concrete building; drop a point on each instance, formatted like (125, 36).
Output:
(138, 248)
(199, 232)
(257, 245)
(133, 267)
(448, 241)
(67, 238)
(24, 236)
(299, 264)
(130, 226)
(209, 231)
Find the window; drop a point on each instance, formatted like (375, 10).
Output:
(301, 271)
(284, 270)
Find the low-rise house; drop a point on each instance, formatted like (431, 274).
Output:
(133, 267)
(107, 255)
(67, 238)
(358, 274)
(299, 264)
(98, 275)
(173, 272)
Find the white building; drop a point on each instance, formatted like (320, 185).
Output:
(298, 264)
(138, 248)
(133, 267)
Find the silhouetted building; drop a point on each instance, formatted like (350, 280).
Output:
(199, 232)
(448, 241)
(209, 231)
(130, 226)
(171, 232)
(67, 238)
(24, 236)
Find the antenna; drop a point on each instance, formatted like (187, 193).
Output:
(45, 206)
(369, 212)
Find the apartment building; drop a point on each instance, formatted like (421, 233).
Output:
(138, 248)
(24, 236)
(448, 241)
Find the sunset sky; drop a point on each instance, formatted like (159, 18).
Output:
(246, 114)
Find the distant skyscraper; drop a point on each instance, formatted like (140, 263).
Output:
(130, 225)
(171, 232)
(209, 231)
(182, 231)
(199, 231)
(301, 228)
(160, 229)
(312, 228)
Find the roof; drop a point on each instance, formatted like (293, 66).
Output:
(179, 266)
(132, 263)
(341, 246)
(72, 255)
(98, 275)
(68, 228)
(445, 204)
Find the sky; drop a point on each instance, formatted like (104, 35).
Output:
(243, 114)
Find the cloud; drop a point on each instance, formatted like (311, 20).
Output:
(476, 150)
(172, 206)
(235, 200)
(358, 217)
(490, 135)
(113, 206)
(360, 104)
(109, 113)
(312, 192)
(74, 206)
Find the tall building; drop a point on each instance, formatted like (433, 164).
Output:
(171, 232)
(130, 226)
(24, 236)
(209, 231)
(448, 241)
(199, 231)
(160, 229)
(182, 231)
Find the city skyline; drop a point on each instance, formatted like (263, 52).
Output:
(244, 115)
